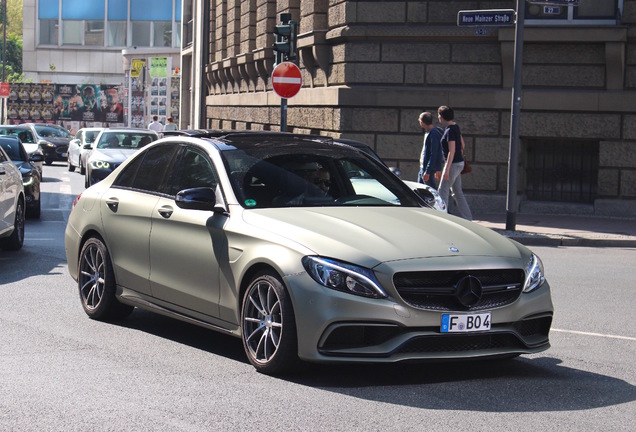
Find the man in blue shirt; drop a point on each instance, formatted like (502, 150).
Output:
(431, 159)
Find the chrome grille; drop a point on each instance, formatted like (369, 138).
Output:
(436, 290)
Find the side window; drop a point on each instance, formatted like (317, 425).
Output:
(148, 171)
(194, 169)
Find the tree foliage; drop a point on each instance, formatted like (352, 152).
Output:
(13, 50)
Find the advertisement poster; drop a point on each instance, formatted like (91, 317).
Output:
(137, 97)
(86, 104)
(159, 88)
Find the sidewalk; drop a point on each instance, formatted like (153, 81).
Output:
(564, 230)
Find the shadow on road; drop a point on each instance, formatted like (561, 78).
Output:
(530, 384)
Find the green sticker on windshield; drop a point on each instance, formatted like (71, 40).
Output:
(250, 203)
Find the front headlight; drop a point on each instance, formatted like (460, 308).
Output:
(98, 164)
(534, 274)
(46, 144)
(27, 180)
(344, 277)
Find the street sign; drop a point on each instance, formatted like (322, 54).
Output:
(286, 80)
(4, 89)
(556, 2)
(486, 17)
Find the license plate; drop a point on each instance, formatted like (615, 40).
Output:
(462, 323)
(64, 154)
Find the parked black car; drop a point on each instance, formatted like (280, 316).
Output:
(53, 140)
(31, 178)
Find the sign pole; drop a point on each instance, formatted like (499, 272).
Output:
(515, 110)
(283, 114)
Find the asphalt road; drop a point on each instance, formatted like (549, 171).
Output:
(60, 371)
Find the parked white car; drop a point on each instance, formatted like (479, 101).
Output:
(11, 204)
(79, 147)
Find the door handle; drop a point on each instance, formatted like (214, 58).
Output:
(113, 204)
(165, 211)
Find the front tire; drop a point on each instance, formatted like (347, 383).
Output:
(70, 165)
(96, 283)
(16, 240)
(268, 325)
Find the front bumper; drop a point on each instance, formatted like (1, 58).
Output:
(338, 327)
(57, 153)
(99, 174)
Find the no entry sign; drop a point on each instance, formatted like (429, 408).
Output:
(286, 80)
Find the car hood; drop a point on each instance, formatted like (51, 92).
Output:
(371, 235)
(57, 140)
(112, 155)
(30, 148)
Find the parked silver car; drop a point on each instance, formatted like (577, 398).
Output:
(12, 204)
(266, 237)
(79, 148)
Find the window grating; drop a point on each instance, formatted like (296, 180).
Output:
(562, 170)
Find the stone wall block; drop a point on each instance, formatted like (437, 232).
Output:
(629, 127)
(445, 12)
(617, 154)
(479, 122)
(361, 73)
(390, 146)
(491, 149)
(563, 54)
(483, 178)
(358, 52)
(628, 183)
(415, 52)
(416, 11)
(462, 75)
(476, 53)
(564, 76)
(375, 119)
(608, 182)
(381, 12)
(565, 125)
(414, 74)
(409, 121)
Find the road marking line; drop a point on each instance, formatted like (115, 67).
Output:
(595, 334)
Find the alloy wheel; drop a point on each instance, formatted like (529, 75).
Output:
(92, 276)
(262, 321)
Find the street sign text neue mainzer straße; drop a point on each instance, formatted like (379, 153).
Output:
(486, 17)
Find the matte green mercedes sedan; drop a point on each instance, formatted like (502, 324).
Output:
(306, 249)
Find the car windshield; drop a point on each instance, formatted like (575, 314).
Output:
(52, 132)
(12, 148)
(124, 140)
(312, 174)
(90, 136)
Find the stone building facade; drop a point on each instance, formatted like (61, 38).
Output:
(370, 67)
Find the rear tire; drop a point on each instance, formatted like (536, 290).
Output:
(15, 241)
(96, 283)
(268, 325)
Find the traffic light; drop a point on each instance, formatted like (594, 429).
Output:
(286, 35)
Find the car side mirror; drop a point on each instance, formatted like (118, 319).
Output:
(201, 198)
(36, 157)
(87, 146)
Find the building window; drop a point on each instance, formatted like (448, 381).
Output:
(562, 170)
(162, 34)
(72, 32)
(48, 31)
(112, 23)
(94, 33)
(117, 33)
(588, 12)
(140, 33)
